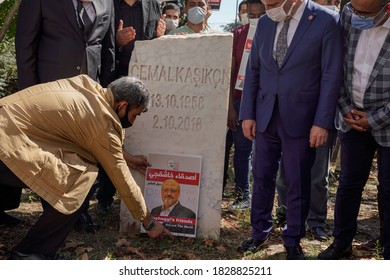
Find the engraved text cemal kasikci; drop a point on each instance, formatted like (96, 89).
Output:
(176, 74)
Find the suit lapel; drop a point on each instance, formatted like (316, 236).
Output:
(70, 12)
(383, 57)
(99, 10)
(307, 18)
(269, 31)
(145, 9)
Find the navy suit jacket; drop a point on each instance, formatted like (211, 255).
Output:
(307, 85)
(50, 45)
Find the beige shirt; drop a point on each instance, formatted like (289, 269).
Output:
(53, 135)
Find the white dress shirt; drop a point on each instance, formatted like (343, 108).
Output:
(167, 211)
(293, 25)
(367, 51)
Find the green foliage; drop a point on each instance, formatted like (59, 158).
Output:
(4, 10)
(230, 26)
(8, 72)
(28, 196)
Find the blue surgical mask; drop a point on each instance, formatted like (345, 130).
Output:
(362, 24)
(370, 22)
(196, 15)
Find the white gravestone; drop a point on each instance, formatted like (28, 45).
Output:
(188, 78)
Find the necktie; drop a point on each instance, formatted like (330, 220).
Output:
(85, 21)
(281, 43)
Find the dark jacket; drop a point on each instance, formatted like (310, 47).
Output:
(151, 15)
(50, 45)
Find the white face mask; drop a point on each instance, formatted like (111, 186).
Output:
(253, 21)
(171, 24)
(196, 15)
(278, 14)
(244, 19)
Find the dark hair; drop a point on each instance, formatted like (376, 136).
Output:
(242, 3)
(186, 2)
(171, 6)
(131, 90)
(254, 2)
(384, 2)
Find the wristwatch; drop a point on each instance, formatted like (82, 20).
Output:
(150, 225)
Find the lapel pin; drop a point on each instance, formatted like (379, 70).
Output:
(310, 17)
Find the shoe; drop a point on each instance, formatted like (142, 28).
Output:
(85, 223)
(294, 252)
(335, 253)
(240, 205)
(251, 245)
(319, 233)
(371, 244)
(16, 255)
(7, 220)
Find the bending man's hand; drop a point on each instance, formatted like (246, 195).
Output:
(318, 136)
(158, 231)
(138, 162)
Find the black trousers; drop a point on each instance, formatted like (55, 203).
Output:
(357, 152)
(50, 231)
(9, 197)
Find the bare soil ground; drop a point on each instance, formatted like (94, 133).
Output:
(235, 227)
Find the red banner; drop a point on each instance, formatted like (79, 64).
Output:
(215, 4)
(160, 175)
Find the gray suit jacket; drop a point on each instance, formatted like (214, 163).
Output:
(50, 45)
(376, 102)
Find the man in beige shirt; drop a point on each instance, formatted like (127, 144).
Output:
(53, 136)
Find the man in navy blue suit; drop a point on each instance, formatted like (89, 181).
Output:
(289, 100)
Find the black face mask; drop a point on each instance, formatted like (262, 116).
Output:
(125, 120)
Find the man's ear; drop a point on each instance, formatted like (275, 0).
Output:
(121, 104)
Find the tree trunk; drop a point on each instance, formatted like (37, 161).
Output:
(8, 19)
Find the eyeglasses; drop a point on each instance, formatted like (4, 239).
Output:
(359, 14)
